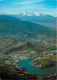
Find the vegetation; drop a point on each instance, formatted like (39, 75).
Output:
(11, 72)
(27, 50)
(53, 58)
(43, 63)
(12, 25)
(24, 40)
(54, 77)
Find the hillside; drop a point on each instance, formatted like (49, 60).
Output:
(24, 50)
(12, 72)
(29, 39)
(24, 30)
(35, 17)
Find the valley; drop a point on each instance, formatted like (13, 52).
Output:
(10, 50)
(26, 50)
(30, 44)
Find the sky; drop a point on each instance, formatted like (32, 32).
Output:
(19, 6)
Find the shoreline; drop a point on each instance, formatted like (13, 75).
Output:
(37, 67)
(41, 67)
(50, 76)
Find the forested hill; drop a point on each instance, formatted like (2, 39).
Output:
(16, 26)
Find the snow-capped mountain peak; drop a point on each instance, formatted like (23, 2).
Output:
(23, 14)
(30, 14)
(37, 14)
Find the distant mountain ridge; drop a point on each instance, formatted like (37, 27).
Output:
(13, 27)
(35, 17)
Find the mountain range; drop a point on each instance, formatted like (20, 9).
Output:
(35, 17)
(24, 30)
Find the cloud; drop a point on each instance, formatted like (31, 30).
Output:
(41, 6)
(31, 1)
(28, 2)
